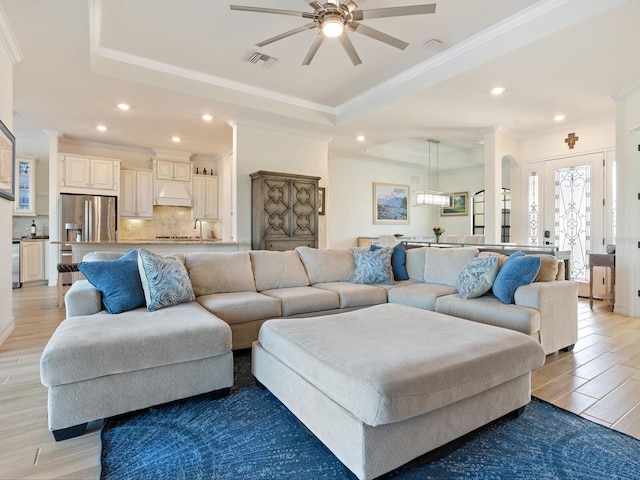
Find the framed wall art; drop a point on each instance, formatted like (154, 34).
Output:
(459, 205)
(390, 204)
(7, 163)
(321, 200)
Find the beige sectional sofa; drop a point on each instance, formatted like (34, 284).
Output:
(238, 292)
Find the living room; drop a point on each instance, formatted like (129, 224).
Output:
(316, 146)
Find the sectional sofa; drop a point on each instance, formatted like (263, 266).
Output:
(94, 355)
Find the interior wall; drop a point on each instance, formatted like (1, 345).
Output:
(260, 147)
(6, 207)
(469, 180)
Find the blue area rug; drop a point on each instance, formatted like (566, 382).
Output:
(251, 435)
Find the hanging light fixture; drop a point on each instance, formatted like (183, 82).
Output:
(431, 198)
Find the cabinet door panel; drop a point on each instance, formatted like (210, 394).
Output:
(102, 174)
(127, 194)
(76, 171)
(144, 194)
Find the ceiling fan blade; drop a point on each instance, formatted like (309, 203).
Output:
(244, 8)
(314, 48)
(303, 28)
(350, 5)
(394, 11)
(350, 49)
(314, 5)
(378, 35)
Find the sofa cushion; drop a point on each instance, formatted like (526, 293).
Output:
(299, 300)
(398, 260)
(220, 272)
(164, 279)
(443, 265)
(117, 280)
(241, 307)
(355, 294)
(415, 263)
(327, 265)
(419, 295)
(519, 269)
(97, 345)
(548, 267)
(373, 266)
(477, 277)
(277, 269)
(488, 309)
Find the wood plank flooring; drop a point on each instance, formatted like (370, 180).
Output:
(599, 380)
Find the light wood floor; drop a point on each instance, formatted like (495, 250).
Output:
(599, 380)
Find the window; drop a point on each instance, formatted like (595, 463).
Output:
(478, 212)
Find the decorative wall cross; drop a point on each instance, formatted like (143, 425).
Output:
(571, 140)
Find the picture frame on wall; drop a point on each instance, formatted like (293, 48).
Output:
(321, 200)
(459, 205)
(390, 204)
(7, 163)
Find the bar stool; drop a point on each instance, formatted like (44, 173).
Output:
(62, 269)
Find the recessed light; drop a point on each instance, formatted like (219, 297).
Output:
(176, 139)
(123, 106)
(497, 90)
(558, 118)
(102, 128)
(361, 138)
(207, 118)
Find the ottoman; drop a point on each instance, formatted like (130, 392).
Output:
(101, 365)
(383, 385)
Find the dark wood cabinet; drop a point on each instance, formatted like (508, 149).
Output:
(284, 211)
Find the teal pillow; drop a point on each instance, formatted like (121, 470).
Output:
(165, 280)
(398, 261)
(519, 269)
(373, 266)
(477, 276)
(117, 280)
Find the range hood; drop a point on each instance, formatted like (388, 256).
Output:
(175, 194)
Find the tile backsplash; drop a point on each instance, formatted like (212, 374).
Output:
(22, 225)
(167, 221)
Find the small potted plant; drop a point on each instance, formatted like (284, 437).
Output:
(437, 232)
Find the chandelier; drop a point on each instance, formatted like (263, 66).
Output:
(431, 198)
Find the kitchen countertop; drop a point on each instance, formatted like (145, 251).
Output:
(152, 242)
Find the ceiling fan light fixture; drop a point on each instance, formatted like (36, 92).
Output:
(332, 26)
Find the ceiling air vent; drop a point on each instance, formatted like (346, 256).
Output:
(261, 59)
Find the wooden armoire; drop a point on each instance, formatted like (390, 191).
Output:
(284, 211)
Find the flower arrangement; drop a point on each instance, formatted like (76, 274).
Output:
(438, 231)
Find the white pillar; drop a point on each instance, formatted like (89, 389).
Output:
(54, 214)
(492, 184)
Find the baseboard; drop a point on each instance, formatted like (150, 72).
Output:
(7, 331)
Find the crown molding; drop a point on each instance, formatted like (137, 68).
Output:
(66, 140)
(8, 39)
(625, 92)
(236, 122)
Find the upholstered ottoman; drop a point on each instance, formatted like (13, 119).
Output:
(383, 385)
(100, 365)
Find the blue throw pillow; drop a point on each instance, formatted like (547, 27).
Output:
(398, 261)
(519, 269)
(117, 280)
(165, 280)
(373, 267)
(477, 276)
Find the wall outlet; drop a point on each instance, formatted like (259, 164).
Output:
(128, 227)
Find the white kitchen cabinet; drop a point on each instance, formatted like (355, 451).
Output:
(82, 174)
(205, 197)
(25, 202)
(32, 261)
(136, 194)
(178, 171)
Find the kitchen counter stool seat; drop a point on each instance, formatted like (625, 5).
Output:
(62, 269)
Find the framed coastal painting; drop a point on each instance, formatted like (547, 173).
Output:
(459, 202)
(390, 204)
(7, 163)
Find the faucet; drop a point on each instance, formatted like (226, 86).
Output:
(194, 227)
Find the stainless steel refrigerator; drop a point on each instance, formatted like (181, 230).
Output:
(87, 218)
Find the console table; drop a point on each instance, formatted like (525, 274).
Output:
(602, 260)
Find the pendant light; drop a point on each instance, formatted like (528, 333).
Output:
(431, 198)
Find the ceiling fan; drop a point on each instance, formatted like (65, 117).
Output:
(334, 18)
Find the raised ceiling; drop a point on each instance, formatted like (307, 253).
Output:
(173, 61)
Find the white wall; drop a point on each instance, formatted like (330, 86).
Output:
(6, 207)
(263, 147)
(470, 180)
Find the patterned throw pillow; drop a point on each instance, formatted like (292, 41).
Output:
(398, 261)
(117, 280)
(373, 266)
(164, 279)
(519, 269)
(477, 277)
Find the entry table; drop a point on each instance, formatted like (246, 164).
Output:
(602, 260)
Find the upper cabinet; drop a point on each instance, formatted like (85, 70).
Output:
(178, 171)
(83, 174)
(136, 194)
(25, 202)
(205, 197)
